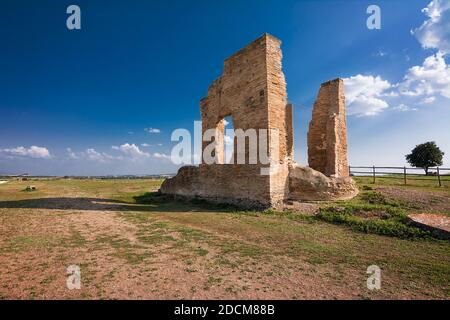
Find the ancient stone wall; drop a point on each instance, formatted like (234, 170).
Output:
(327, 135)
(241, 185)
(241, 92)
(252, 89)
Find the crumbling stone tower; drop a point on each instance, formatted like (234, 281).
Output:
(252, 89)
(327, 135)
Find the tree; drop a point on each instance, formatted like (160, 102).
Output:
(425, 155)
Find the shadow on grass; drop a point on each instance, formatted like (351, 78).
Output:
(150, 201)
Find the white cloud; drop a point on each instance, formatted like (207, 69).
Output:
(421, 85)
(432, 77)
(364, 95)
(132, 151)
(71, 154)
(435, 31)
(427, 100)
(152, 130)
(403, 107)
(161, 155)
(380, 53)
(151, 145)
(90, 154)
(32, 152)
(128, 151)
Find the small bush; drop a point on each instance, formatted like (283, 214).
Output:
(374, 197)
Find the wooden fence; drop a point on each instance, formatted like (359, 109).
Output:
(440, 175)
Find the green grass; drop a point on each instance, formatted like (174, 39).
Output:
(212, 242)
(428, 183)
(383, 220)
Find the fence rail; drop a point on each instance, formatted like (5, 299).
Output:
(441, 174)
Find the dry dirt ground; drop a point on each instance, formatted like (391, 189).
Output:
(127, 250)
(418, 200)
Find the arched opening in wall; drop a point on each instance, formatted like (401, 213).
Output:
(228, 139)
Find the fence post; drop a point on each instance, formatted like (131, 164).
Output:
(404, 175)
(373, 174)
(349, 171)
(439, 177)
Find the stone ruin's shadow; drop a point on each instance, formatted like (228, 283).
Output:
(150, 202)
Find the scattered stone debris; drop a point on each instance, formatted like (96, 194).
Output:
(307, 208)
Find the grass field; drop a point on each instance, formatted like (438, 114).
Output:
(131, 244)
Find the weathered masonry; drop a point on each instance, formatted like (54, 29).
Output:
(327, 135)
(252, 89)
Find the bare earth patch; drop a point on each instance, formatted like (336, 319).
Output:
(418, 199)
(131, 251)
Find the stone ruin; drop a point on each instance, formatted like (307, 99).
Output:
(252, 89)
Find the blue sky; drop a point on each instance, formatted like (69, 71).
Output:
(105, 99)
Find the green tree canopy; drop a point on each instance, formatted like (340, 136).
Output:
(425, 155)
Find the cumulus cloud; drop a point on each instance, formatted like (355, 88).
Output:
(71, 154)
(403, 107)
(435, 31)
(152, 130)
(22, 152)
(127, 151)
(94, 155)
(432, 77)
(161, 155)
(131, 150)
(369, 95)
(427, 100)
(365, 95)
(90, 154)
(421, 84)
